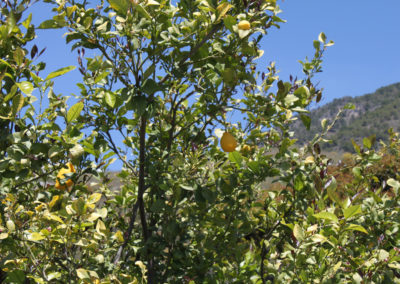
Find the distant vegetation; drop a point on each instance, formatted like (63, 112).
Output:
(374, 114)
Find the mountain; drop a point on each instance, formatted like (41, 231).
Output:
(373, 114)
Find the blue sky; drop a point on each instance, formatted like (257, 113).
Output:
(365, 56)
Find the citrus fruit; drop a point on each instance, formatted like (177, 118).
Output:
(244, 25)
(228, 142)
(61, 176)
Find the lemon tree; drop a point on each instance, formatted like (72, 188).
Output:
(195, 204)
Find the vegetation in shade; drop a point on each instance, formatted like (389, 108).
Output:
(374, 114)
(158, 96)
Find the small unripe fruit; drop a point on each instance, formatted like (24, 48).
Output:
(244, 25)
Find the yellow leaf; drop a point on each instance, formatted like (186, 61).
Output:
(10, 226)
(223, 9)
(94, 198)
(82, 273)
(100, 227)
(118, 236)
(53, 217)
(54, 201)
(3, 236)
(36, 237)
(309, 160)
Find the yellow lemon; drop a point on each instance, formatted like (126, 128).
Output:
(228, 142)
(244, 25)
(60, 176)
(246, 149)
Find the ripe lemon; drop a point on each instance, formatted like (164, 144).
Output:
(244, 25)
(228, 142)
(60, 176)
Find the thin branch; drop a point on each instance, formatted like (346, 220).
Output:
(116, 151)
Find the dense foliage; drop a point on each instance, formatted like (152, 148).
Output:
(167, 82)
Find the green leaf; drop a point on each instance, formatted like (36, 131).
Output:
(298, 183)
(235, 157)
(141, 10)
(17, 103)
(306, 121)
(110, 98)
(150, 87)
(355, 227)
(229, 22)
(59, 72)
(349, 106)
(298, 232)
(356, 147)
(367, 143)
(352, 211)
(16, 276)
(121, 6)
(74, 112)
(326, 216)
(149, 71)
(50, 24)
(26, 87)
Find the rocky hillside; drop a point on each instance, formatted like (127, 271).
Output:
(373, 114)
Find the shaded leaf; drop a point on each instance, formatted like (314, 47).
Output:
(121, 6)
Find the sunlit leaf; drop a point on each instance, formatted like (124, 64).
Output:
(82, 273)
(352, 211)
(26, 87)
(59, 72)
(355, 227)
(94, 198)
(326, 216)
(74, 111)
(298, 232)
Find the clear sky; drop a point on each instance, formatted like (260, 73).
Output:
(366, 54)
